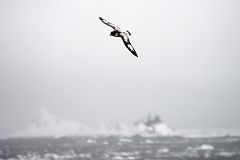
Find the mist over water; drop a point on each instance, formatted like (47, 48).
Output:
(50, 138)
(57, 55)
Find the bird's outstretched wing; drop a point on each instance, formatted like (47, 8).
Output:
(128, 44)
(109, 24)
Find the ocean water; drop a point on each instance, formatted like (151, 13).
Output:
(121, 148)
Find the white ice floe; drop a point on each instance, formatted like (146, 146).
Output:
(226, 154)
(205, 147)
(91, 141)
(163, 150)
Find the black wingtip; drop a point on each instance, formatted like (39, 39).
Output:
(135, 53)
(129, 33)
(100, 18)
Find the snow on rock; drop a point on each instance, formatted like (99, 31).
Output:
(150, 126)
(153, 126)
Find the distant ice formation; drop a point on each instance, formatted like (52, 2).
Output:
(153, 126)
(196, 133)
(46, 124)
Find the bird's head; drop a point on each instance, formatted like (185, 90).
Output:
(111, 34)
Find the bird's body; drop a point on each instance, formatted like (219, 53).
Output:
(117, 32)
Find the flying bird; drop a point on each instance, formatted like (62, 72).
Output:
(117, 32)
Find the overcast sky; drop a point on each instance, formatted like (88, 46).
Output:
(58, 55)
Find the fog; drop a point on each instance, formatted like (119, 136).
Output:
(58, 55)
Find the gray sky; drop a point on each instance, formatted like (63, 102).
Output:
(57, 55)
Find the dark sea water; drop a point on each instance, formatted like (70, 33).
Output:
(121, 148)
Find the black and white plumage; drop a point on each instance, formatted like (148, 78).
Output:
(117, 32)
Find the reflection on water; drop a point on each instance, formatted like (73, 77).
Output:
(121, 148)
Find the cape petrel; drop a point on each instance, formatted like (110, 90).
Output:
(117, 32)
